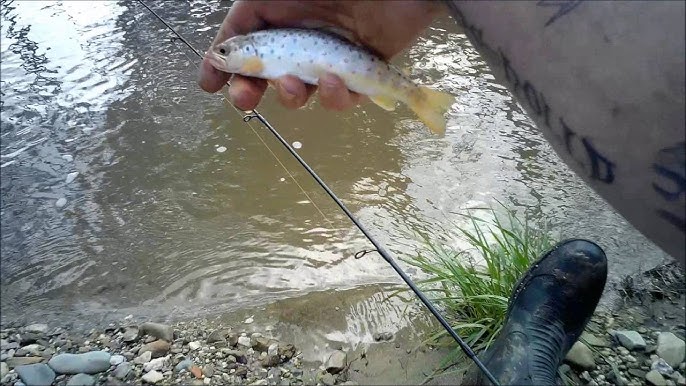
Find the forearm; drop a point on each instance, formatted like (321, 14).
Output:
(604, 82)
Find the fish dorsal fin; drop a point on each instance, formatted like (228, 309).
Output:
(385, 102)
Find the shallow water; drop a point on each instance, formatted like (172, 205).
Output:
(179, 209)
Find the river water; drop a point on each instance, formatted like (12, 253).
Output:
(179, 209)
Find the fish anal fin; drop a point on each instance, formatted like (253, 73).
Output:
(385, 102)
(430, 106)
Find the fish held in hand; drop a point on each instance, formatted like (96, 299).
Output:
(309, 54)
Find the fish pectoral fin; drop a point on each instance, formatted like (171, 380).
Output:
(385, 102)
(252, 66)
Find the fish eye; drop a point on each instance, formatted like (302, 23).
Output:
(222, 51)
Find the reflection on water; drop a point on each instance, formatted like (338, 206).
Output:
(179, 209)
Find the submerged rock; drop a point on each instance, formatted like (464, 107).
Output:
(655, 378)
(336, 362)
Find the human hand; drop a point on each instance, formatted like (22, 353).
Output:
(385, 27)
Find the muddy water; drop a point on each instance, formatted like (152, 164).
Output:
(179, 209)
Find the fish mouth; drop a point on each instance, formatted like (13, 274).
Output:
(217, 61)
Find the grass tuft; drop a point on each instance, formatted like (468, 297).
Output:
(472, 285)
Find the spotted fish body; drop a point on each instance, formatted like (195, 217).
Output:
(308, 54)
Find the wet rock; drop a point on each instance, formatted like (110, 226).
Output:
(287, 351)
(116, 359)
(183, 365)
(336, 362)
(270, 360)
(273, 349)
(632, 340)
(655, 378)
(232, 338)
(36, 374)
(122, 370)
(130, 334)
(208, 371)
(661, 366)
(158, 330)
(143, 358)
(21, 361)
(4, 369)
(194, 345)
(671, 348)
(158, 348)
(580, 355)
(217, 336)
(244, 341)
(89, 363)
(153, 377)
(260, 343)
(39, 328)
(81, 380)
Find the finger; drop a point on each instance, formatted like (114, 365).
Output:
(292, 92)
(334, 95)
(245, 93)
(210, 79)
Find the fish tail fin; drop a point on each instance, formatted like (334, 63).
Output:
(430, 106)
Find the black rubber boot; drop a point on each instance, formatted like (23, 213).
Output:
(548, 310)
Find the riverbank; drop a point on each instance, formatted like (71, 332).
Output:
(637, 340)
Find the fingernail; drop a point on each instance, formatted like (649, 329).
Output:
(329, 81)
(287, 93)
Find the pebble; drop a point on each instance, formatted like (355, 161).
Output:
(90, 362)
(217, 336)
(143, 358)
(221, 149)
(122, 370)
(194, 345)
(130, 334)
(155, 364)
(81, 379)
(116, 359)
(36, 374)
(183, 365)
(661, 366)
(21, 361)
(158, 348)
(61, 202)
(244, 341)
(4, 369)
(655, 378)
(671, 348)
(153, 377)
(40, 328)
(196, 371)
(71, 177)
(208, 370)
(580, 355)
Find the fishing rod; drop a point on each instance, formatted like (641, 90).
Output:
(379, 248)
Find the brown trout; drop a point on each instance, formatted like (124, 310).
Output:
(308, 54)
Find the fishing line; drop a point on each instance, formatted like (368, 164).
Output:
(254, 114)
